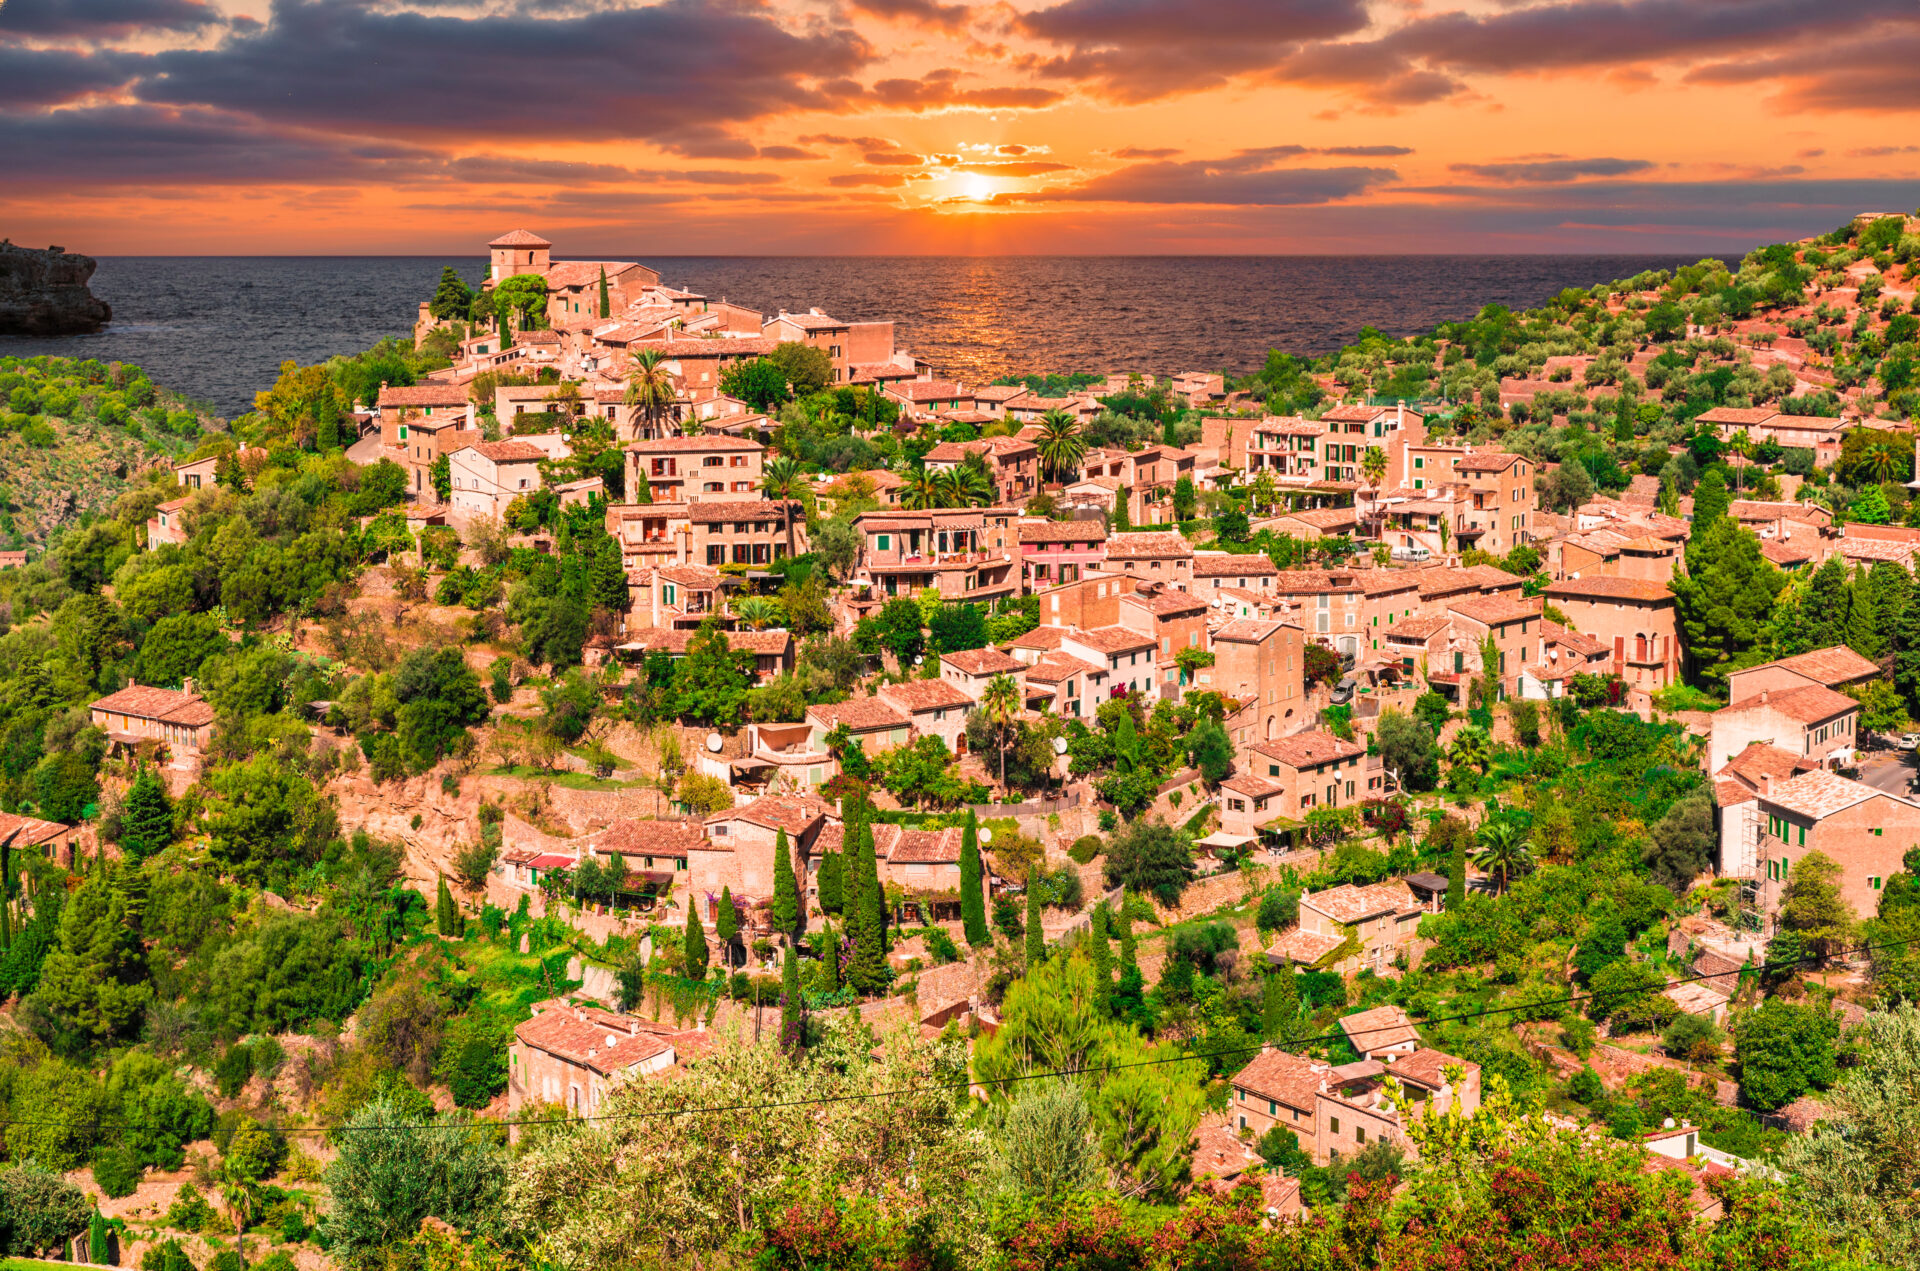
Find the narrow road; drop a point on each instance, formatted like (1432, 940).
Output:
(1890, 772)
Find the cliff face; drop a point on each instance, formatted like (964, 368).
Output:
(45, 293)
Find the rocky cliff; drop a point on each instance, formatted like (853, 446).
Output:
(45, 292)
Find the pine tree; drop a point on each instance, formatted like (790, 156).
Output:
(1100, 953)
(832, 881)
(1825, 604)
(1457, 874)
(727, 925)
(786, 892)
(790, 1001)
(1036, 938)
(606, 305)
(446, 913)
(1280, 1005)
(1710, 502)
(94, 985)
(973, 901)
(1906, 658)
(696, 946)
(1725, 598)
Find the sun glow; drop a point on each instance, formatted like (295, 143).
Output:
(977, 188)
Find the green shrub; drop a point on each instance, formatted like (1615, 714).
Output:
(166, 1256)
(941, 946)
(1085, 848)
(117, 1171)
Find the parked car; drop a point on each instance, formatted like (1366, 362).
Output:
(1908, 741)
(1412, 552)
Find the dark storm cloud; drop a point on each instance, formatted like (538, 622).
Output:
(48, 77)
(1550, 171)
(130, 146)
(1732, 203)
(1239, 181)
(1877, 74)
(97, 18)
(1138, 50)
(677, 72)
(941, 89)
(788, 152)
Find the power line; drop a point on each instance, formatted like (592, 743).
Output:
(1083, 1070)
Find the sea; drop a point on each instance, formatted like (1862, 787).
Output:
(217, 328)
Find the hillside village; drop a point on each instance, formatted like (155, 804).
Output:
(593, 746)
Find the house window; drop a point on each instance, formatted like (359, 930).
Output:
(882, 542)
(1336, 1124)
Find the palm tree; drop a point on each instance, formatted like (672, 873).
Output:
(922, 491)
(1504, 849)
(1741, 445)
(1882, 462)
(963, 486)
(1000, 699)
(1472, 747)
(1060, 444)
(781, 476)
(758, 612)
(1373, 466)
(650, 389)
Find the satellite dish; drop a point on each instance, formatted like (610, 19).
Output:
(714, 743)
(986, 836)
(1059, 745)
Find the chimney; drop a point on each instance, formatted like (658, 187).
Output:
(1763, 697)
(1766, 784)
(186, 686)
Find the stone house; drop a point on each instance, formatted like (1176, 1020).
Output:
(1060, 551)
(1260, 665)
(1351, 928)
(1315, 770)
(1339, 1111)
(738, 853)
(1128, 655)
(166, 525)
(1638, 617)
(1159, 557)
(745, 532)
(1814, 723)
(937, 708)
(1864, 830)
(1837, 667)
(179, 720)
(574, 1056)
(488, 476)
(1513, 626)
(693, 469)
(964, 553)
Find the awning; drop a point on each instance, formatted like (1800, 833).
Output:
(749, 764)
(1220, 838)
(551, 861)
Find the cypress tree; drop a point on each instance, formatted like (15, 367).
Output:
(832, 882)
(1100, 951)
(786, 892)
(830, 959)
(1036, 938)
(1863, 635)
(99, 1248)
(6, 894)
(446, 915)
(1457, 874)
(868, 969)
(973, 901)
(506, 335)
(1129, 994)
(727, 925)
(790, 1002)
(696, 946)
(1281, 1004)
(606, 306)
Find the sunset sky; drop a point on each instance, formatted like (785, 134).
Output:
(904, 126)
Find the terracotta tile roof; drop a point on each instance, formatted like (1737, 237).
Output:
(1378, 1029)
(810, 321)
(1695, 998)
(1360, 412)
(1143, 546)
(743, 510)
(1819, 794)
(631, 837)
(1254, 787)
(1165, 603)
(1417, 628)
(1045, 639)
(1348, 903)
(1057, 667)
(770, 642)
(716, 347)
(929, 390)
(1830, 666)
(1492, 461)
(925, 695)
(506, 451)
(1760, 761)
(1492, 577)
(28, 831)
(1779, 553)
(165, 704)
(1729, 794)
(1428, 1067)
(918, 847)
(424, 395)
(1877, 549)
(1312, 581)
(681, 445)
(1605, 588)
(1218, 1152)
(1282, 1075)
(860, 714)
(1573, 641)
(595, 1039)
(1112, 639)
(1228, 565)
(519, 238)
(983, 662)
(698, 577)
(1323, 518)
(1809, 705)
(1494, 610)
(1246, 631)
(795, 814)
(1291, 426)
(1062, 532)
(1379, 582)
(1761, 510)
(1301, 945)
(1304, 750)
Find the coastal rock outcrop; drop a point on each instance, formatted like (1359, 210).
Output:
(45, 292)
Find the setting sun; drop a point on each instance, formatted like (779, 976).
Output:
(979, 189)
